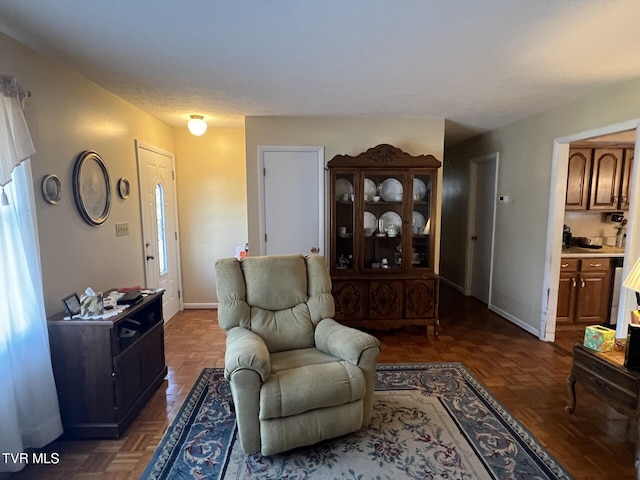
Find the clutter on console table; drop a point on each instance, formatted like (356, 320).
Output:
(96, 306)
(106, 369)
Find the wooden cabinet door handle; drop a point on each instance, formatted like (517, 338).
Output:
(582, 283)
(595, 264)
(574, 282)
(564, 265)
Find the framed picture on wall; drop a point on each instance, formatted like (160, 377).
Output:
(91, 188)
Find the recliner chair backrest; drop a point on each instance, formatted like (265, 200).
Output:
(281, 298)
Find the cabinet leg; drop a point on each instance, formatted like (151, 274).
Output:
(571, 384)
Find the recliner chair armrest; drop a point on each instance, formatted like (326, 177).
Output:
(246, 350)
(343, 342)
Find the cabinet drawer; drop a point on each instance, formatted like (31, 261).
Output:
(568, 264)
(601, 368)
(595, 264)
(606, 390)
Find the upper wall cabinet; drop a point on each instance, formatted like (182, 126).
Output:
(598, 178)
(578, 176)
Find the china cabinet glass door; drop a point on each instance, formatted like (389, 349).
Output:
(420, 255)
(344, 208)
(383, 199)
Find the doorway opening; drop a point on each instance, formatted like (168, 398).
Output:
(557, 220)
(483, 182)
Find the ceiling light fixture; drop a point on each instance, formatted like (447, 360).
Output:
(197, 125)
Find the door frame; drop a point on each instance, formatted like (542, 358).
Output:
(471, 219)
(555, 222)
(319, 150)
(141, 145)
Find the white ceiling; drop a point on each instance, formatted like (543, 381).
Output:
(478, 64)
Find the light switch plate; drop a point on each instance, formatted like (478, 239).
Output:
(122, 229)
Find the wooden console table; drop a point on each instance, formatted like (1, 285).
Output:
(604, 375)
(105, 375)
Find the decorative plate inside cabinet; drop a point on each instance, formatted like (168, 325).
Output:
(370, 223)
(370, 189)
(391, 190)
(344, 189)
(391, 218)
(419, 189)
(418, 222)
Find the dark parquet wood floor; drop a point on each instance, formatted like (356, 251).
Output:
(526, 375)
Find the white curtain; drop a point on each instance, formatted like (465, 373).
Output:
(29, 413)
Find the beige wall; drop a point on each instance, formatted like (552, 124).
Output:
(212, 206)
(338, 136)
(525, 149)
(66, 115)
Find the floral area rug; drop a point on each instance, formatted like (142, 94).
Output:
(430, 421)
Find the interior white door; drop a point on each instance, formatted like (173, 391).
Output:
(484, 171)
(293, 200)
(160, 225)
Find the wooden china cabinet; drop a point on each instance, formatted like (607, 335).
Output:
(382, 238)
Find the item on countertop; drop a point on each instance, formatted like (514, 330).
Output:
(71, 304)
(620, 232)
(584, 242)
(130, 298)
(129, 289)
(91, 303)
(566, 236)
(599, 338)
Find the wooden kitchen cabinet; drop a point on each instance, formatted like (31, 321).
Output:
(584, 290)
(605, 178)
(625, 183)
(382, 247)
(567, 290)
(104, 376)
(578, 178)
(598, 178)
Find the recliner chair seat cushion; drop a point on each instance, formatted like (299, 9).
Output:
(298, 358)
(297, 390)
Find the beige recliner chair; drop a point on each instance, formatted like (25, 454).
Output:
(297, 376)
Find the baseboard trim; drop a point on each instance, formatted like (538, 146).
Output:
(516, 321)
(452, 285)
(200, 306)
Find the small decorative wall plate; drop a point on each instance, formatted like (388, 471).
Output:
(51, 189)
(124, 188)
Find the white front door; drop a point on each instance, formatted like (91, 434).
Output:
(159, 225)
(482, 221)
(292, 214)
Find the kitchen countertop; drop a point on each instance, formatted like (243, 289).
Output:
(605, 251)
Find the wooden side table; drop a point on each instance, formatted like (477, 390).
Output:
(605, 376)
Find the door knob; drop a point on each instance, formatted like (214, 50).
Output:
(150, 257)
